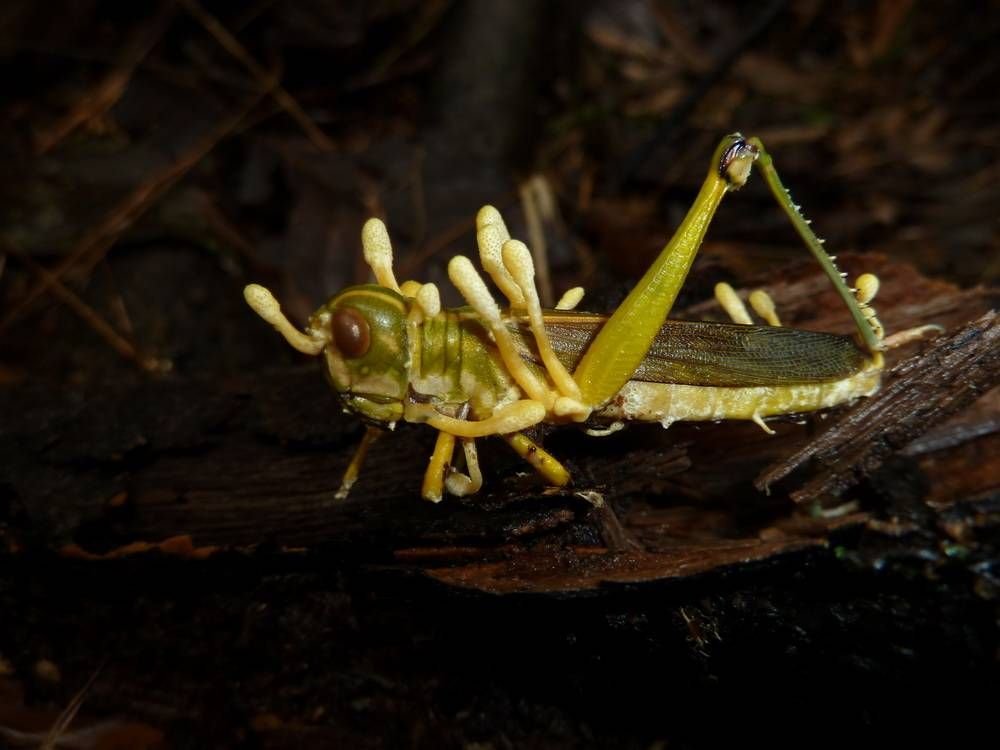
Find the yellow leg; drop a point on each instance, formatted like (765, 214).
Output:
(543, 461)
(354, 467)
(444, 448)
(620, 346)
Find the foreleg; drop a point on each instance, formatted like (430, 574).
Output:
(433, 485)
(354, 467)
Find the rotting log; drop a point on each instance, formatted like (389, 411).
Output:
(180, 540)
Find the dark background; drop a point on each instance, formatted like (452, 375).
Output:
(152, 164)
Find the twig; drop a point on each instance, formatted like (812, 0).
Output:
(430, 15)
(219, 223)
(889, 16)
(119, 310)
(537, 205)
(285, 100)
(69, 713)
(97, 101)
(101, 327)
(676, 32)
(643, 151)
(96, 242)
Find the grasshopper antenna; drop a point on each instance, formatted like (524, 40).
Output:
(863, 322)
(267, 307)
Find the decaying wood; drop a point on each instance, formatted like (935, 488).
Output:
(917, 394)
(194, 467)
(196, 518)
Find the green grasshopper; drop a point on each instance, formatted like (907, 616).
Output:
(392, 353)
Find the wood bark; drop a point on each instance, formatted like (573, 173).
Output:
(178, 541)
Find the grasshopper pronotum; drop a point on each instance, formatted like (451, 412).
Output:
(391, 352)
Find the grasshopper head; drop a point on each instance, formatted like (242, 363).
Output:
(366, 354)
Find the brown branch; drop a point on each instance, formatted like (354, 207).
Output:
(96, 242)
(920, 393)
(284, 99)
(100, 326)
(96, 101)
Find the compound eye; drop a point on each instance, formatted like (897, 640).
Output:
(351, 333)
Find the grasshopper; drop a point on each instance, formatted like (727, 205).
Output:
(392, 353)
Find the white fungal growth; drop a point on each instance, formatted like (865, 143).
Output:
(377, 249)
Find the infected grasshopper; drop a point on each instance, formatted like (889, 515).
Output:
(391, 352)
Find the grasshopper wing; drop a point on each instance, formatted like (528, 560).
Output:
(718, 354)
